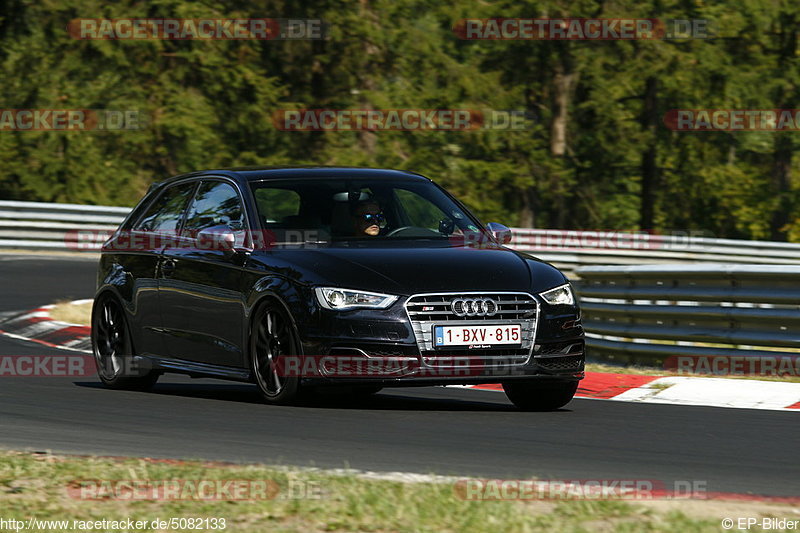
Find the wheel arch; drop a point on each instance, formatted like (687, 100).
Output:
(113, 292)
(262, 295)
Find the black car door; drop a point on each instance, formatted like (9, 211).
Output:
(139, 256)
(200, 288)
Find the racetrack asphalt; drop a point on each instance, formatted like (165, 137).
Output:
(450, 431)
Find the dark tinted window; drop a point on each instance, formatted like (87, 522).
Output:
(164, 216)
(419, 211)
(216, 204)
(340, 209)
(277, 205)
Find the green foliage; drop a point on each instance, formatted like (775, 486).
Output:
(209, 104)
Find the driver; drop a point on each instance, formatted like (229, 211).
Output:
(367, 218)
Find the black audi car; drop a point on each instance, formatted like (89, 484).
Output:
(301, 278)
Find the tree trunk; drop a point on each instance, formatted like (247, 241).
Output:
(564, 81)
(649, 168)
(781, 175)
(782, 155)
(527, 214)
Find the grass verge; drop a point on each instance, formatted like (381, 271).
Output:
(65, 311)
(37, 485)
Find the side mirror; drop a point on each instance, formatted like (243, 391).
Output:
(220, 238)
(501, 233)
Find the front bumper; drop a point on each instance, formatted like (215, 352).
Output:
(379, 347)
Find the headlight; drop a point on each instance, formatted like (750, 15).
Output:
(559, 296)
(331, 298)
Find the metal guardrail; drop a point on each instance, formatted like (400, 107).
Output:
(47, 226)
(647, 313)
(569, 250)
(56, 227)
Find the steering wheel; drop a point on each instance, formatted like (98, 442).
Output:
(398, 230)
(414, 231)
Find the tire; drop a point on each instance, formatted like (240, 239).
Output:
(113, 349)
(273, 335)
(540, 396)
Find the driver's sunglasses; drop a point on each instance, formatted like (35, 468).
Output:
(373, 217)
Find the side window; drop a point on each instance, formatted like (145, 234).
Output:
(216, 203)
(165, 215)
(276, 205)
(420, 211)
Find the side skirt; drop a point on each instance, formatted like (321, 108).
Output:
(194, 369)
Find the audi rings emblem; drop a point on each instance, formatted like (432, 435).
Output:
(473, 306)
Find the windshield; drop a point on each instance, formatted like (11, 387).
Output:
(345, 209)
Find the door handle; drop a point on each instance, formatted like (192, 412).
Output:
(167, 267)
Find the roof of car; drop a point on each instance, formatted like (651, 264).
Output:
(269, 173)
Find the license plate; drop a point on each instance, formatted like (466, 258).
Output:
(485, 335)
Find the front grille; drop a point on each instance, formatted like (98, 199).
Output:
(428, 310)
(510, 306)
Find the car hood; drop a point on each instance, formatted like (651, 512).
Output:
(409, 268)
